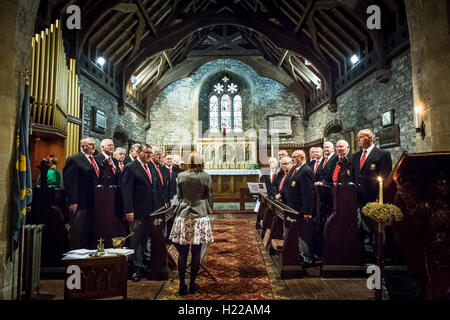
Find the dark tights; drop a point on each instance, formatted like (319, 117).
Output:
(183, 251)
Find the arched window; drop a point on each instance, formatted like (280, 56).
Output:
(229, 117)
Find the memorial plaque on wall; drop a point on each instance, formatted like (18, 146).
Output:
(389, 136)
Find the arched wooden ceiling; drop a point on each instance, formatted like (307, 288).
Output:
(309, 40)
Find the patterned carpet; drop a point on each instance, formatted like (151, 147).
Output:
(235, 260)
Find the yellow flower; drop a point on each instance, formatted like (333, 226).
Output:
(384, 213)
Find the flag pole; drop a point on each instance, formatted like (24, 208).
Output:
(27, 75)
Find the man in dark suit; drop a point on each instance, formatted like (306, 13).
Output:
(317, 165)
(81, 173)
(133, 153)
(161, 175)
(312, 157)
(119, 155)
(109, 167)
(270, 177)
(280, 170)
(343, 151)
(138, 203)
(173, 173)
(367, 165)
(325, 164)
(298, 194)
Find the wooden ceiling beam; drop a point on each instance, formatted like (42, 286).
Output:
(308, 11)
(144, 13)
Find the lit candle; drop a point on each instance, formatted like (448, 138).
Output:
(417, 111)
(380, 197)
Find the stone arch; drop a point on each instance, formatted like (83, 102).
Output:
(334, 131)
(120, 137)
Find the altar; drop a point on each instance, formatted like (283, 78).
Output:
(229, 184)
(231, 161)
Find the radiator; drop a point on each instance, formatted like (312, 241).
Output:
(31, 258)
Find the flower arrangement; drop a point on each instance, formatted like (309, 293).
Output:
(383, 213)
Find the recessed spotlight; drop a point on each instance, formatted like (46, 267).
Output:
(307, 62)
(133, 79)
(101, 61)
(354, 59)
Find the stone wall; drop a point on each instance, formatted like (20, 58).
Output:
(130, 124)
(174, 114)
(362, 105)
(17, 24)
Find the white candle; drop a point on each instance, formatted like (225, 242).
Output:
(380, 197)
(417, 111)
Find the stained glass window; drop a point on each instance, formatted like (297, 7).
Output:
(214, 113)
(237, 109)
(229, 115)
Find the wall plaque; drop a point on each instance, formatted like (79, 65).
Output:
(389, 136)
(280, 124)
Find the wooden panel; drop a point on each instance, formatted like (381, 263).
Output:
(227, 188)
(41, 147)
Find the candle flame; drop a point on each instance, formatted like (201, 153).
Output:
(379, 179)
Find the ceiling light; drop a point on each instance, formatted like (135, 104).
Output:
(307, 62)
(133, 79)
(101, 61)
(354, 59)
(319, 86)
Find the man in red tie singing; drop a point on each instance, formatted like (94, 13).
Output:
(367, 165)
(109, 167)
(138, 204)
(81, 175)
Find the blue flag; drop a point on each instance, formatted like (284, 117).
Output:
(22, 184)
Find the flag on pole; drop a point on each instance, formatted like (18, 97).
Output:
(22, 183)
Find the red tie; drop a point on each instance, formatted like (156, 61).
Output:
(121, 166)
(94, 165)
(317, 165)
(170, 170)
(112, 166)
(148, 173)
(282, 181)
(363, 158)
(336, 172)
(325, 162)
(160, 175)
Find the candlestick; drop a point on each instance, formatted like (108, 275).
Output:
(380, 197)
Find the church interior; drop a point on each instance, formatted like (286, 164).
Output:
(239, 82)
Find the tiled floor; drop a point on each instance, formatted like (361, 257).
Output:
(310, 287)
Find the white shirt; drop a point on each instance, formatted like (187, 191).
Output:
(369, 149)
(109, 157)
(88, 156)
(142, 164)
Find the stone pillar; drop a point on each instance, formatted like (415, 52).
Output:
(429, 31)
(17, 20)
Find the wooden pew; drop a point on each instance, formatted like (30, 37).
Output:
(109, 221)
(277, 215)
(159, 220)
(419, 185)
(341, 244)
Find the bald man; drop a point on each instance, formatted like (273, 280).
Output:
(342, 151)
(367, 165)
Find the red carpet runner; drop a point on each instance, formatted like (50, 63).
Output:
(235, 260)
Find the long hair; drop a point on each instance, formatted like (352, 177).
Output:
(195, 162)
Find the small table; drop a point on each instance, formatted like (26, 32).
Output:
(101, 277)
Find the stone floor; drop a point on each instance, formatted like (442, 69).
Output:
(310, 287)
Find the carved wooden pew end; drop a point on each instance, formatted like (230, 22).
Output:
(277, 245)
